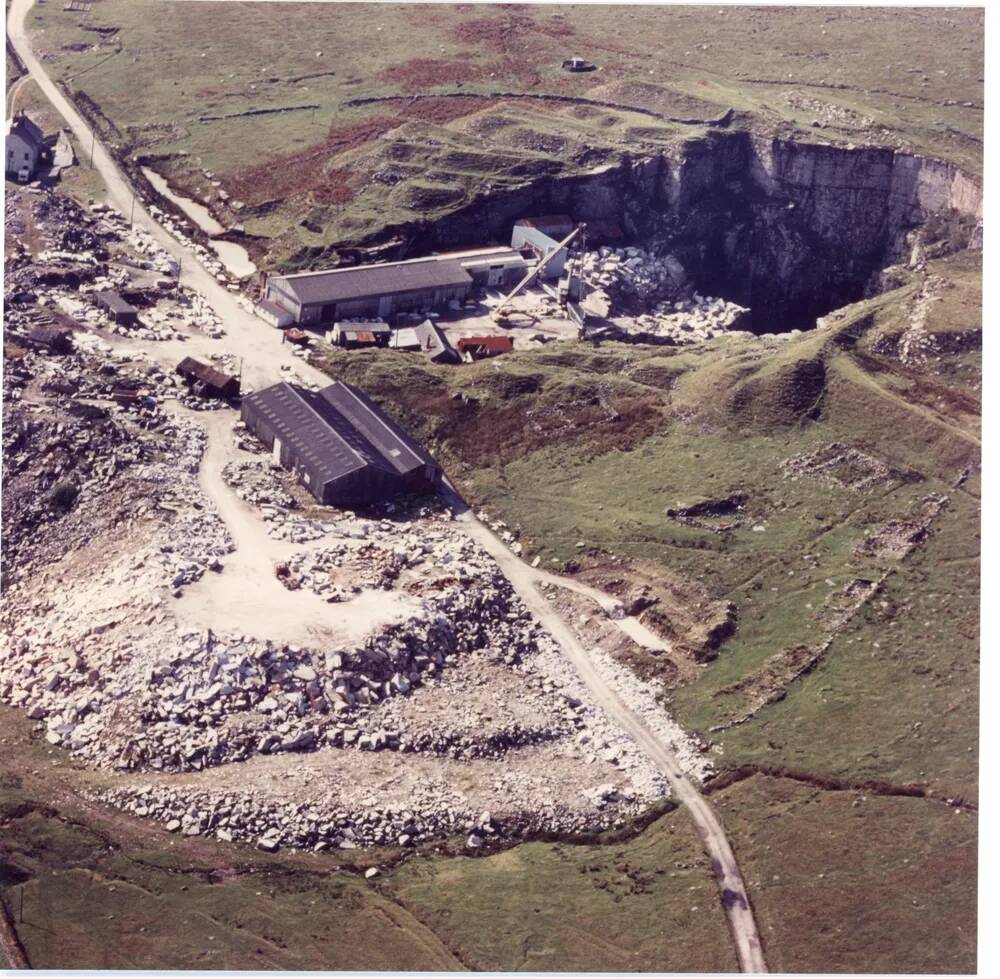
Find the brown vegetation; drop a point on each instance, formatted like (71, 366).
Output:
(423, 73)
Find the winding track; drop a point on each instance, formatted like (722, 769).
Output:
(732, 890)
(263, 354)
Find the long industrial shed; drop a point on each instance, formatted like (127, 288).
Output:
(343, 448)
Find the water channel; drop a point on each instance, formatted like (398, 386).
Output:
(233, 256)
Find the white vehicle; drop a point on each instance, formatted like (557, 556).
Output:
(23, 175)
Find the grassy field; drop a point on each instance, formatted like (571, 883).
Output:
(324, 171)
(853, 882)
(589, 448)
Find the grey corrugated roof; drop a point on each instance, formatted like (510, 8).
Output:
(365, 421)
(427, 337)
(339, 285)
(306, 432)
(336, 431)
(365, 326)
(27, 129)
(114, 302)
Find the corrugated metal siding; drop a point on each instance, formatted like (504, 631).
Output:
(524, 236)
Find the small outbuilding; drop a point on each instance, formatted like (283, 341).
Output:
(426, 338)
(342, 446)
(51, 339)
(541, 237)
(482, 348)
(578, 64)
(121, 312)
(207, 381)
(273, 314)
(353, 336)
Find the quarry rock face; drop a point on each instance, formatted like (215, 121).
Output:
(787, 228)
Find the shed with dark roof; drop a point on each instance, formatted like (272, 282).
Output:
(342, 446)
(375, 291)
(49, 338)
(208, 381)
(426, 338)
(118, 309)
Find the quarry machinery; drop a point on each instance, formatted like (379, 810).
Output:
(498, 315)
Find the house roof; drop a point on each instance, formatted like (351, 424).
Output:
(336, 431)
(22, 126)
(339, 285)
(49, 333)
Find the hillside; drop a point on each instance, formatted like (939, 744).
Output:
(241, 729)
(394, 116)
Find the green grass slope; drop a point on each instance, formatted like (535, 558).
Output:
(258, 95)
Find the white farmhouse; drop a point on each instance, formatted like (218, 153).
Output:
(25, 147)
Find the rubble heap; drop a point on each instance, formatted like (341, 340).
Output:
(631, 275)
(651, 297)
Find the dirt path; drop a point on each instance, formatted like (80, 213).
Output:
(13, 92)
(246, 596)
(628, 624)
(10, 944)
(732, 890)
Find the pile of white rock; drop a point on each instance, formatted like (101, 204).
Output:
(257, 483)
(431, 812)
(636, 273)
(691, 320)
(205, 256)
(156, 258)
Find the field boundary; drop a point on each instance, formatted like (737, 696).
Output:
(721, 121)
(830, 783)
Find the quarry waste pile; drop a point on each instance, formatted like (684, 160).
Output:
(98, 657)
(651, 296)
(107, 529)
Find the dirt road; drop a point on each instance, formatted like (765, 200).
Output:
(263, 354)
(732, 890)
(246, 595)
(246, 335)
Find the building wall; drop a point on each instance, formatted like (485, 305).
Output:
(524, 237)
(286, 319)
(19, 153)
(381, 307)
(280, 296)
(500, 274)
(366, 485)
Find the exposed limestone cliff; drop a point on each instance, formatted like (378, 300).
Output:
(790, 229)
